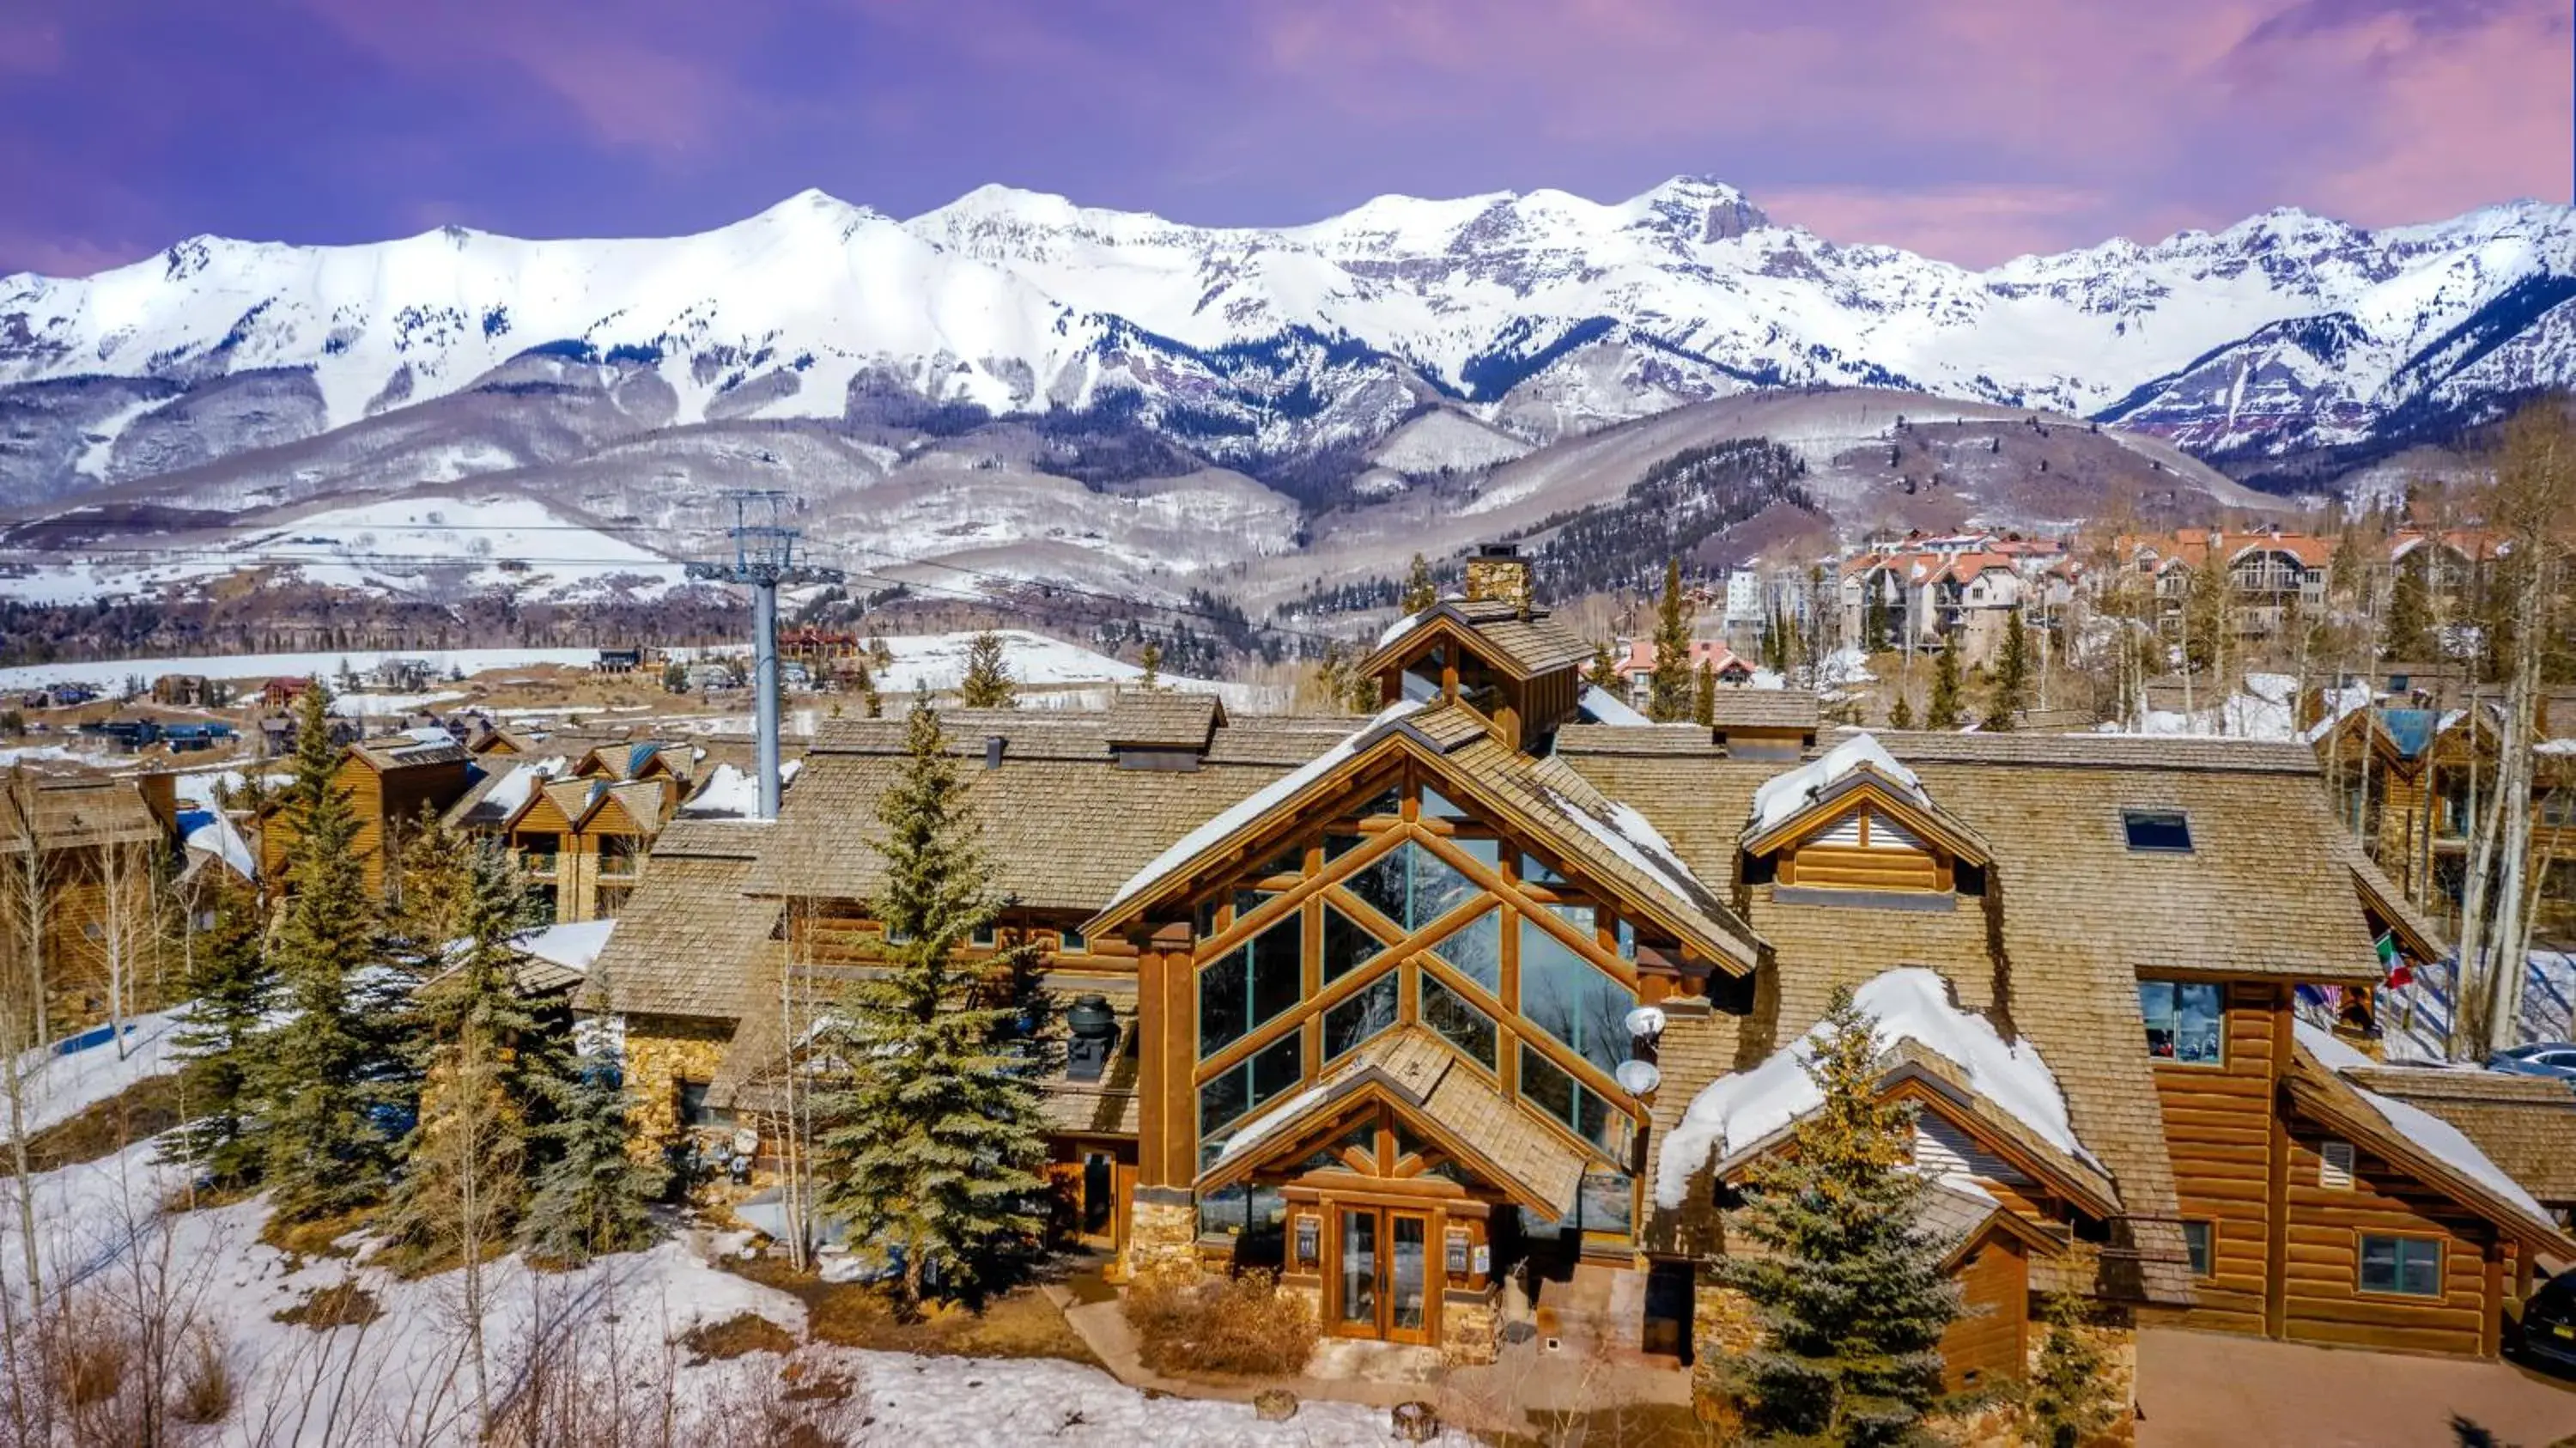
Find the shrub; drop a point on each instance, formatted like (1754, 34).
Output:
(89, 1354)
(746, 1332)
(1242, 1324)
(342, 1304)
(205, 1386)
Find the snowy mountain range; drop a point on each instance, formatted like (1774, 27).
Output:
(824, 344)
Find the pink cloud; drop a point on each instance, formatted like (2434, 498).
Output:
(656, 79)
(30, 49)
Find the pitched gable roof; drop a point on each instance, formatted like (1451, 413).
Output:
(1601, 838)
(1522, 647)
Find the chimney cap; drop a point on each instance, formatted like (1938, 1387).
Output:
(1498, 550)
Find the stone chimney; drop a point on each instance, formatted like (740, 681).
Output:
(1498, 573)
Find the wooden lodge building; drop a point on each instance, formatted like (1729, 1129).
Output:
(1474, 1009)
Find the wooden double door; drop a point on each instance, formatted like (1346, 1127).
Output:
(1383, 1274)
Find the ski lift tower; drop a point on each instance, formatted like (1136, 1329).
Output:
(764, 556)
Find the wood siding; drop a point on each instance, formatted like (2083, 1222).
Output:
(2321, 1279)
(1989, 1343)
(2219, 1122)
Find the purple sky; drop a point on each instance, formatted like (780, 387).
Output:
(1967, 129)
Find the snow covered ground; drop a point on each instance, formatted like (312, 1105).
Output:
(400, 1379)
(60, 1087)
(111, 674)
(404, 546)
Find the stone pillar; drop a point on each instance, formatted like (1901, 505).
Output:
(661, 1052)
(1162, 1234)
(1471, 1325)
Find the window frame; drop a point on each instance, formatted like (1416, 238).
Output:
(2217, 1062)
(2205, 1263)
(2441, 1246)
(2132, 817)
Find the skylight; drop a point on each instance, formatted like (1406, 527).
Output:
(2160, 831)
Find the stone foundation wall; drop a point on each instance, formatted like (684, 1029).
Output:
(1723, 1324)
(662, 1052)
(2002, 1425)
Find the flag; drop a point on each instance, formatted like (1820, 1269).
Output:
(2399, 973)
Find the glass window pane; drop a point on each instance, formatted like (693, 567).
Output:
(2196, 1239)
(1460, 1024)
(1221, 1100)
(1606, 1203)
(1582, 917)
(1436, 806)
(1438, 888)
(1278, 1067)
(1563, 995)
(1388, 803)
(1224, 1001)
(2200, 1016)
(1548, 1088)
(1537, 872)
(1336, 846)
(1278, 968)
(1380, 885)
(1246, 901)
(1251, 983)
(2420, 1268)
(1483, 851)
(1362, 1016)
(1346, 945)
(1476, 949)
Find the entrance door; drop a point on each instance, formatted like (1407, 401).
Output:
(1382, 1274)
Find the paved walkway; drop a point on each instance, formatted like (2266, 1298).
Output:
(1526, 1389)
(2200, 1388)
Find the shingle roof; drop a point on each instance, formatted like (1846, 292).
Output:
(403, 752)
(1526, 647)
(2070, 919)
(75, 812)
(2526, 1124)
(1060, 832)
(688, 940)
(1412, 1068)
(1747, 708)
(1163, 720)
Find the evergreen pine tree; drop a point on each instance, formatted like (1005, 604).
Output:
(1944, 712)
(1848, 1288)
(1604, 673)
(1704, 695)
(987, 684)
(1668, 690)
(326, 1085)
(2012, 676)
(1420, 592)
(593, 1193)
(880, 653)
(933, 1139)
(2406, 635)
(487, 1067)
(1901, 714)
(2069, 1402)
(231, 987)
(1150, 658)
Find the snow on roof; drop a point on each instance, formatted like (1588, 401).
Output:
(1784, 795)
(1605, 708)
(575, 946)
(1251, 1132)
(1400, 628)
(1258, 803)
(733, 793)
(2430, 1134)
(1909, 1003)
(514, 787)
(218, 837)
(1635, 840)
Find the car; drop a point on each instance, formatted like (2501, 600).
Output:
(2545, 1336)
(2541, 1058)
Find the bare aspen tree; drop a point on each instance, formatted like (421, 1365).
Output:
(129, 922)
(2530, 510)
